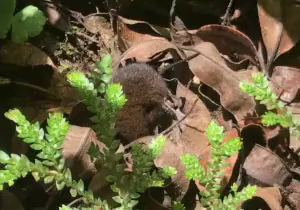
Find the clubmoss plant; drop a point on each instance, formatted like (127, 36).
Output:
(212, 177)
(105, 100)
(262, 92)
(50, 164)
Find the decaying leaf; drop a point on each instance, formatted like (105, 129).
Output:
(231, 43)
(75, 150)
(143, 52)
(279, 22)
(265, 168)
(212, 70)
(271, 195)
(285, 82)
(132, 32)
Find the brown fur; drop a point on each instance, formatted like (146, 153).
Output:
(145, 90)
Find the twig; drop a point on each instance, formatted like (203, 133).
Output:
(162, 71)
(9, 81)
(202, 94)
(182, 119)
(225, 17)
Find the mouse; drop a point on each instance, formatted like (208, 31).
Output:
(145, 90)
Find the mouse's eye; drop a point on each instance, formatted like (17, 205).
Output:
(150, 107)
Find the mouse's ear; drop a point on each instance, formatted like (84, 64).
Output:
(127, 62)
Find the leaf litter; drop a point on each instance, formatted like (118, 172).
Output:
(218, 57)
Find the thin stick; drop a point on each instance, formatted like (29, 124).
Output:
(162, 71)
(226, 15)
(182, 119)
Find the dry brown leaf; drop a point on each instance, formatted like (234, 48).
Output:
(212, 70)
(266, 168)
(294, 193)
(132, 32)
(275, 15)
(271, 195)
(75, 150)
(143, 52)
(29, 55)
(286, 79)
(26, 54)
(200, 117)
(229, 42)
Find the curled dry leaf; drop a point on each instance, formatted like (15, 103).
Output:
(212, 70)
(279, 21)
(132, 32)
(294, 193)
(143, 52)
(29, 55)
(230, 43)
(271, 195)
(200, 117)
(265, 168)
(275, 138)
(75, 150)
(285, 82)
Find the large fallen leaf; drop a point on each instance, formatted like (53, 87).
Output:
(285, 82)
(143, 51)
(131, 32)
(294, 193)
(265, 168)
(212, 70)
(230, 42)
(279, 22)
(75, 150)
(271, 195)
(199, 118)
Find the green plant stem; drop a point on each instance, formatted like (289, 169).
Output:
(75, 201)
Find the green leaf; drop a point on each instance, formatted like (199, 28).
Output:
(29, 22)
(14, 115)
(48, 179)
(105, 62)
(60, 185)
(3, 157)
(68, 175)
(106, 78)
(134, 195)
(36, 176)
(118, 199)
(111, 178)
(61, 164)
(7, 9)
(36, 146)
(80, 186)
(73, 192)
(133, 203)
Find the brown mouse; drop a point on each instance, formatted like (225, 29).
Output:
(145, 90)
